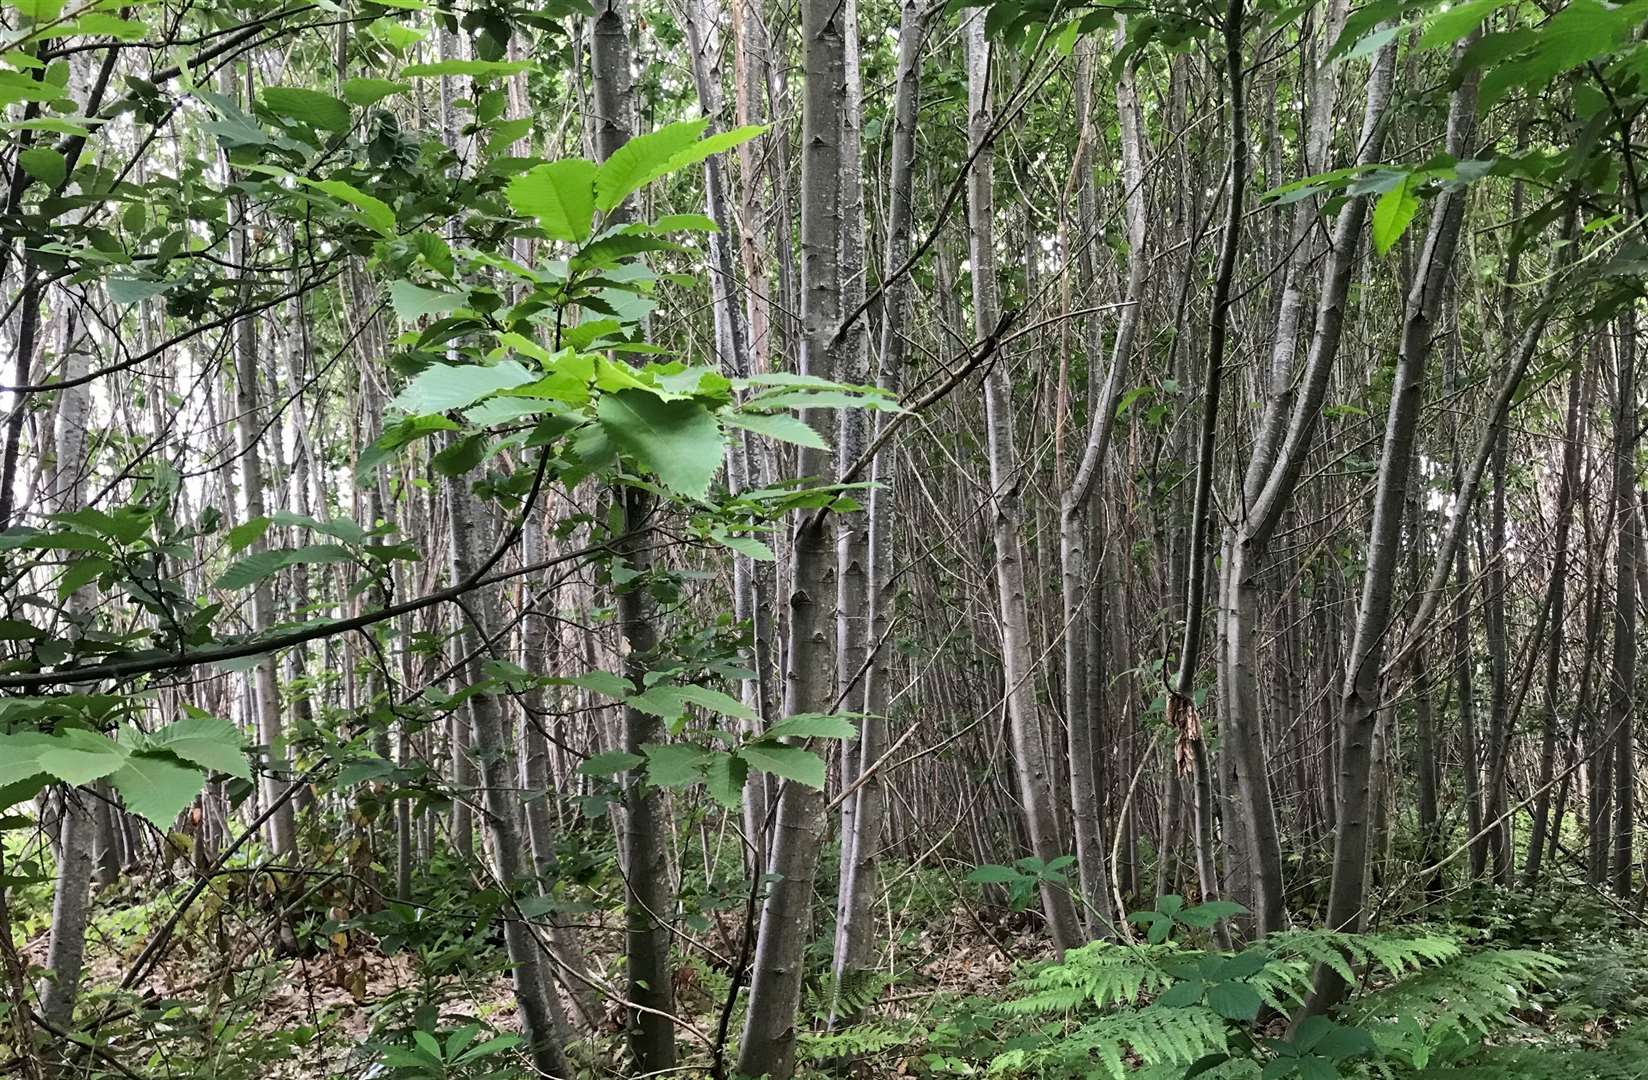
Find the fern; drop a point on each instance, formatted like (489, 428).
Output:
(1392, 955)
(1626, 1058)
(1098, 975)
(1475, 992)
(857, 1041)
(1154, 1035)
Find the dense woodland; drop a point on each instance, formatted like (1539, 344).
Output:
(745, 538)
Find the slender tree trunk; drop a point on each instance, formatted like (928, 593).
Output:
(76, 828)
(271, 732)
(1080, 657)
(1033, 767)
(860, 849)
(768, 1045)
(1556, 598)
(1286, 433)
(651, 985)
(1622, 675)
(499, 798)
(1360, 699)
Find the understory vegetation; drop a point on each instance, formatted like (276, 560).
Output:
(1038, 539)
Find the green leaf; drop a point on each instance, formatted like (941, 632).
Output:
(679, 441)
(374, 211)
(789, 762)
(440, 387)
(747, 546)
(38, 11)
(1183, 995)
(674, 765)
(1449, 26)
(80, 573)
(461, 456)
(1392, 215)
(1234, 1000)
(1205, 1064)
(99, 24)
(44, 164)
(264, 564)
(412, 302)
(561, 195)
(204, 740)
(609, 763)
(724, 777)
(307, 106)
(398, 435)
(813, 726)
(782, 426)
(371, 91)
(715, 701)
(602, 682)
(711, 146)
(641, 159)
(77, 756)
(472, 68)
(247, 533)
(1342, 1042)
(1205, 915)
(134, 290)
(685, 223)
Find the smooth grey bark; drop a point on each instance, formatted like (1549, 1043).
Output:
(860, 879)
(499, 794)
(1287, 430)
(1033, 766)
(282, 830)
(565, 949)
(768, 1044)
(1623, 669)
(1360, 696)
(852, 606)
(751, 584)
(77, 829)
(1182, 711)
(1077, 578)
(650, 1020)
(1539, 831)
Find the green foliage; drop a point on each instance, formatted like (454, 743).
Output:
(1165, 1009)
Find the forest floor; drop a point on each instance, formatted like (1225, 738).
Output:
(227, 1002)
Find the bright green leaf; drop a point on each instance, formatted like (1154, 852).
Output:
(679, 441)
(790, 762)
(561, 195)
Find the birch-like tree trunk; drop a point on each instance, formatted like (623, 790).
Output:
(1622, 672)
(1360, 697)
(77, 828)
(855, 941)
(1033, 767)
(768, 1045)
(1077, 577)
(500, 802)
(650, 994)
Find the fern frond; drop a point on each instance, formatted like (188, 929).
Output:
(1101, 974)
(1473, 992)
(859, 1040)
(1157, 1036)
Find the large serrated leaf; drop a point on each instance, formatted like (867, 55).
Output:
(207, 741)
(441, 387)
(156, 786)
(255, 568)
(790, 762)
(561, 195)
(678, 441)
